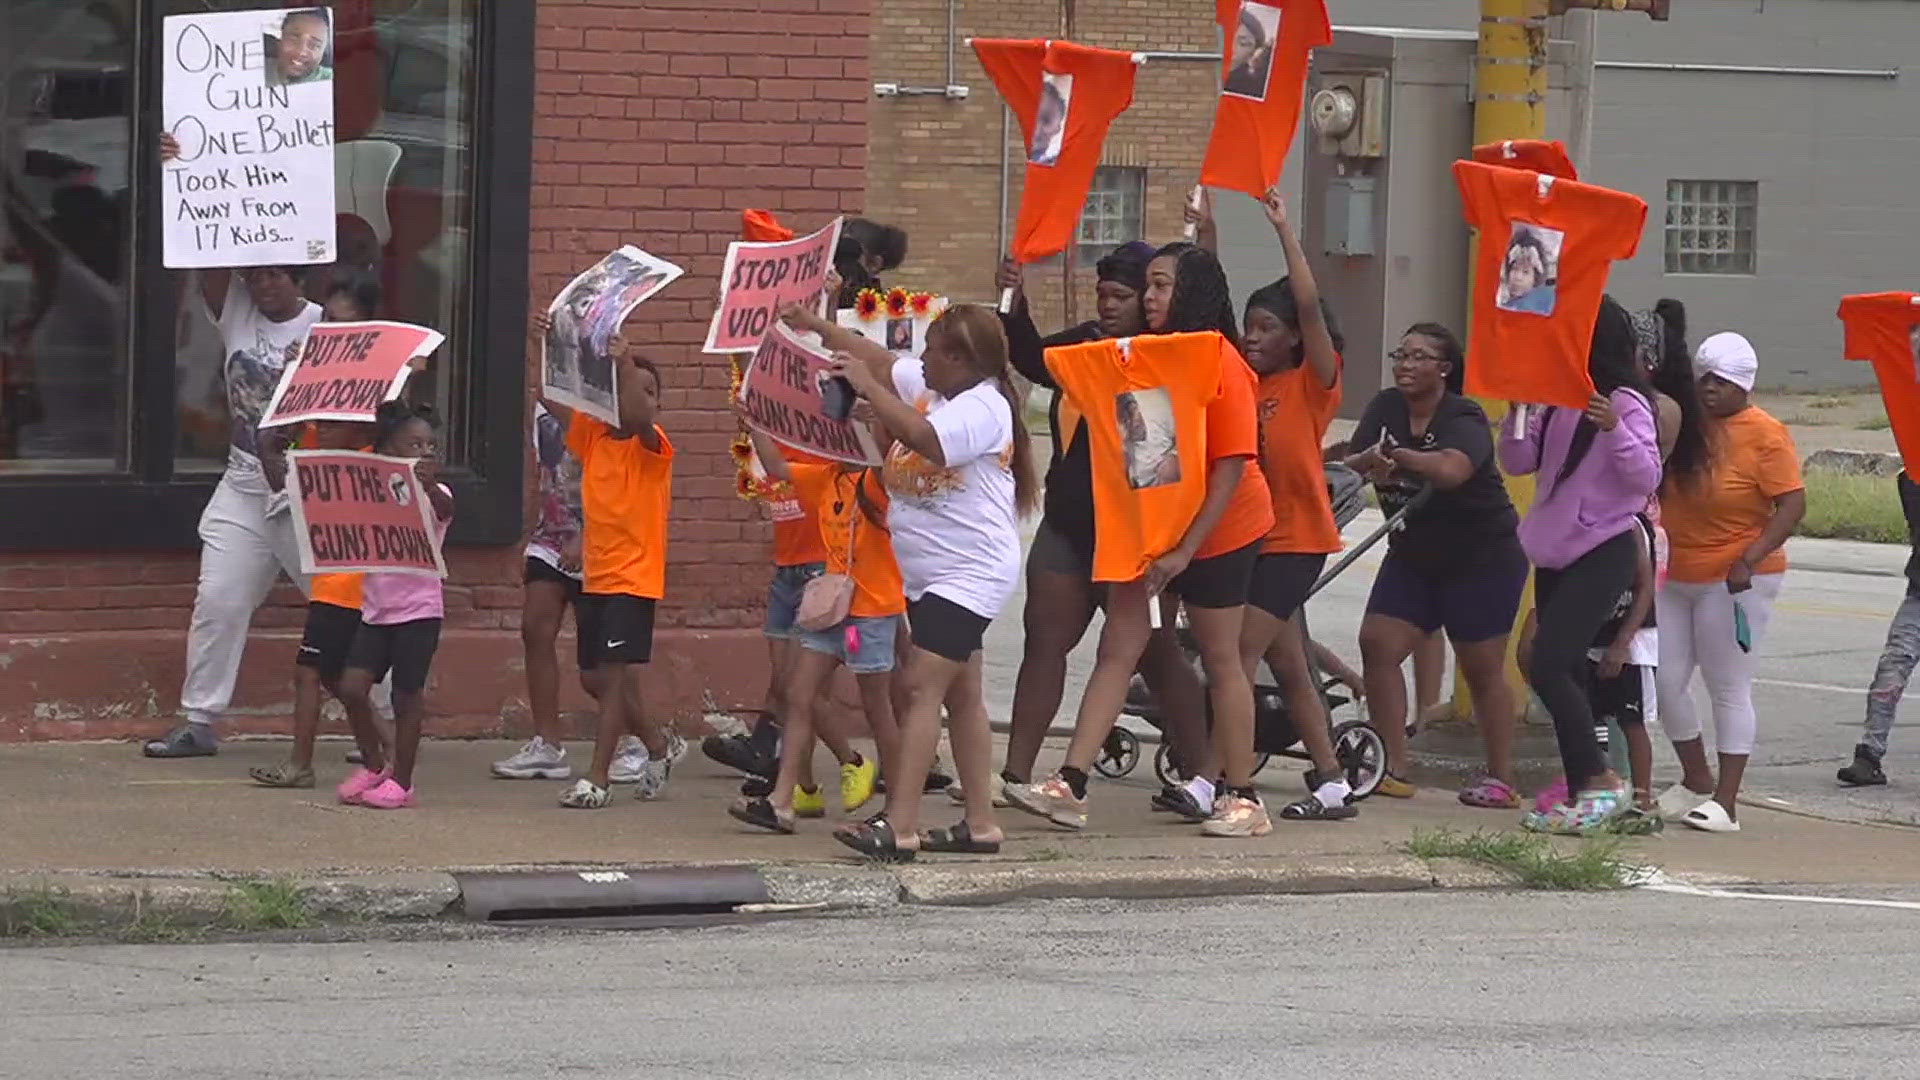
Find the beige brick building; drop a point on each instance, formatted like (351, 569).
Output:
(944, 169)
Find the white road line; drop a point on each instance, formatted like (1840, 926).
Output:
(1727, 894)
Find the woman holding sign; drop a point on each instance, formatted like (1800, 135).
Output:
(957, 476)
(245, 546)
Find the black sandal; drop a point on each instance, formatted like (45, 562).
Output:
(761, 815)
(1312, 809)
(874, 838)
(957, 840)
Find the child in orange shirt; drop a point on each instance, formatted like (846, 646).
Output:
(626, 489)
(850, 507)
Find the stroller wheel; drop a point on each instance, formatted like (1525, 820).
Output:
(1362, 756)
(1260, 762)
(1119, 755)
(1165, 768)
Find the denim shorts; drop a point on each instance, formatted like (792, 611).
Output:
(783, 598)
(872, 638)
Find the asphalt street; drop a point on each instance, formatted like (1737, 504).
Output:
(1811, 697)
(1437, 985)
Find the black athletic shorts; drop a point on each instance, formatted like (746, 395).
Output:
(406, 649)
(328, 638)
(946, 629)
(614, 628)
(1281, 581)
(542, 570)
(1218, 581)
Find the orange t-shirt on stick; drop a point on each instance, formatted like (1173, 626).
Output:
(1065, 97)
(1546, 247)
(1263, 77)
(1547, 156)
(625, 492)
(1883, 329)
(1148, 408)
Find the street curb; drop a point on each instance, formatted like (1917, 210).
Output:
(112, 902)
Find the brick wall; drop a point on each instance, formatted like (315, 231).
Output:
(655, 124)
(936, 165)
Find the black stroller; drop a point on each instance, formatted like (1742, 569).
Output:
(1356, 745)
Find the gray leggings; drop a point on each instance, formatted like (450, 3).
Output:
(1890, 677)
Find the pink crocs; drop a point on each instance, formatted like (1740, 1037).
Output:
(356, 786)
(388, 796)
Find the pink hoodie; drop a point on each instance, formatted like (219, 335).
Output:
(1612, 483)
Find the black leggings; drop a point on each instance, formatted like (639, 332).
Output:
(1572, 605)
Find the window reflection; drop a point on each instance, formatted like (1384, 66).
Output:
(403, 106)
(65, 130)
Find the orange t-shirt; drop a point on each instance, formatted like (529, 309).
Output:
(1295, 412)
(340, 590)
(1883, 329)
(833, 495)
(1065, 97)
(1538, 155)
(1263, 77)
(1709, 524)
(625, 493)
(1145, 403)
(1233, 430)
(1545, 248)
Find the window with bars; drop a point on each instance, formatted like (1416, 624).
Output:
(1114, 212)
(1711, 226)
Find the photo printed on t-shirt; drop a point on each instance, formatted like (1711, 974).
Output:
(1255, 35)
(1530, 272)
(1050, 119)
(1147, 435)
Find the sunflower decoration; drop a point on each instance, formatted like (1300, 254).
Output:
(866, 304)
(898, 300)
(921, 303)
(742, 450)
(743, 485)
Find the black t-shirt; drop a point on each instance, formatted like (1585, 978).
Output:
(1454, 527)
(1068, 501)
(1622, 607)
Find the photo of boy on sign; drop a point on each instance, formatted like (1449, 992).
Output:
(1529, 273)
(1253, 42)
(1050, 121)
(303, 50)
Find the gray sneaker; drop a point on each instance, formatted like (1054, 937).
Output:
(652, 782)
(629, 761)
(537, 760)
(187, 740)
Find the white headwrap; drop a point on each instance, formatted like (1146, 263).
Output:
(1729, 356)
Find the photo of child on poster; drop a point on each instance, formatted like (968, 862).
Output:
(1050, 119)
(1253, 43)
(302, 51)
(1530, 272)
(1147, 436)
(575, 368)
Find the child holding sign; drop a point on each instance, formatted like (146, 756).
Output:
(399, 629)
(626, 488)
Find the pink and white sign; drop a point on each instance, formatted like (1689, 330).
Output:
(355, 512)
(782, 393)
(347, 370)
(760, 279)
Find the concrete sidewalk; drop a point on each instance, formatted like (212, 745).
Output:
(100, 811)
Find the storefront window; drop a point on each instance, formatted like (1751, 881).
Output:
(403, 108)
(66, 94)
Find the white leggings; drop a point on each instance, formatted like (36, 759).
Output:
(1697, 630)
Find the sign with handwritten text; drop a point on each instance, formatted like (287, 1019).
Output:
(248, 97)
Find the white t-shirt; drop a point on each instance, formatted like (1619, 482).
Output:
(954, 528)
(256, 353)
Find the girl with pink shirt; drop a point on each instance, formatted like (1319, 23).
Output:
(399, 629)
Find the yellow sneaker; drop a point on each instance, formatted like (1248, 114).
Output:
(809, 804)
(856, 783)
(1394, 788)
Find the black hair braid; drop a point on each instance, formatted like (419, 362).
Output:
(1201, 299)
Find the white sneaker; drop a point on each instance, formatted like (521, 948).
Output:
(584, 795)
(629, 761)
(537, 760)
(1677, 801)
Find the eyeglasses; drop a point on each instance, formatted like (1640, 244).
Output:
(1407, 356)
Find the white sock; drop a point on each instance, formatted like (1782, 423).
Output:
(1202, 790)
(1333, 794)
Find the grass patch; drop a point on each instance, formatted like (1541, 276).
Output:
(42, 911)
(1873, 423)
(1852, 506)
(1595, 865)
(254, 905)
(1829, 402)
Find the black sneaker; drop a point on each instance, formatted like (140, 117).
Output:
(937, 779)
(756, 787)
(738, 752)
(1179, 801)
(1865, 770)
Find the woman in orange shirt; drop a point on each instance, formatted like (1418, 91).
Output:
(1211, 570)
(1725, 568)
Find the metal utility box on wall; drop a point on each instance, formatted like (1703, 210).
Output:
(1388, 111)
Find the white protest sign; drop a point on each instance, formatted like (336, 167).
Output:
(248, 96)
